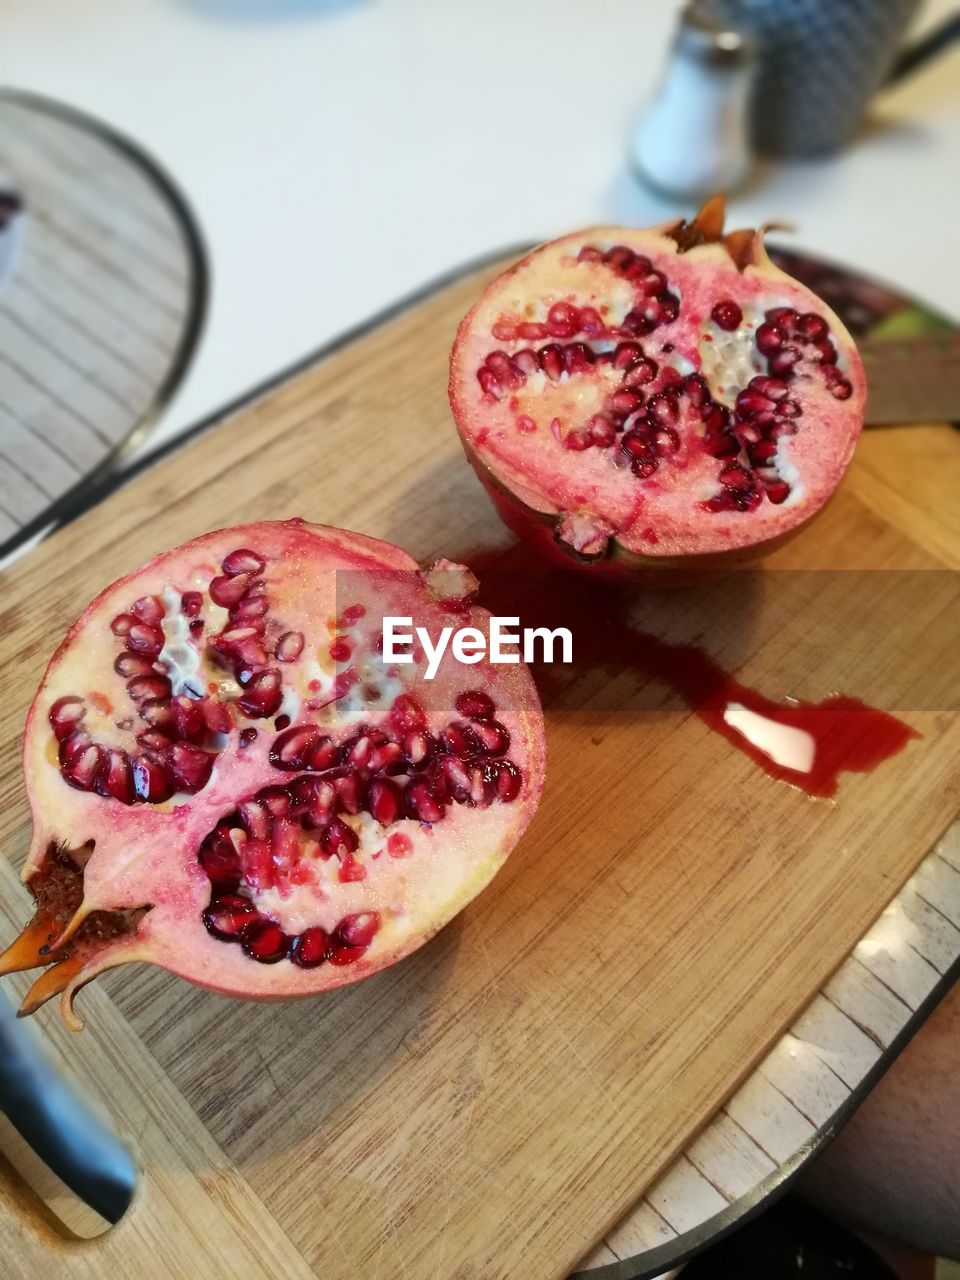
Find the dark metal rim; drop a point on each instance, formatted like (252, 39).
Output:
(664, 1257)
(81, 496)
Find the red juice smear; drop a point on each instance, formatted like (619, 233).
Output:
(847, 735)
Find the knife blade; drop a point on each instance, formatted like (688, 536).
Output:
(914, 379)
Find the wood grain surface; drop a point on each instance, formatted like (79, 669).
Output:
(490, 1107)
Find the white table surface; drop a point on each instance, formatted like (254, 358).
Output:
(341, 153)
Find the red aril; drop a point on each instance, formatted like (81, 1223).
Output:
(228, 780)
(657, 398)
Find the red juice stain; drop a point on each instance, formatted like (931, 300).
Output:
(848, 736)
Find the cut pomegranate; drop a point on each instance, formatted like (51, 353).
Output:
(643, 398)
(213, 791)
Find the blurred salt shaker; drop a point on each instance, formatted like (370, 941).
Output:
(692, 140)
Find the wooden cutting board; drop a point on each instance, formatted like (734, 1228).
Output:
(491, 1106)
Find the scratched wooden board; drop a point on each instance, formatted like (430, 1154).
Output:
(493, 1105)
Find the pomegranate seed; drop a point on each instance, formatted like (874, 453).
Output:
(122, 623)
(417, 747)
(473, 703)
(577, 358)
(276, 799)
(149, 609)
(736, 477)
(247, 736)
(663, 408)
(159, 714)
(226, 590)
(456, 777)
(73, 745)
(838, 386)
(640, 372)
(191, 766)
(65, 715)
(384, 757)
(399, 845)
(353, 613)
(142, 638)
(781, 362)
(778, 492)
(219, 858)
(256, 861)
(242, 561)
(337, 838)
(589, 254)
(482, 783)
(324, 756)
(406, 715)
(622, 403)
(509, 781)
(292, 750)
(290, 646)
(763, 451)
(665, 440)
(265, 941)
(493, 737)
(350, 792)
(116, 779)
(358, 750)
(191, 724)
(551, 361)
(421, 804)
(262, 696)
(563, 320)
(489, 383)
(626, 354)
(152, 780)
(812, 327)
(340, 650)
(602, 431)
(140, 688)
(132, 664)
(590, 323)
(769, 338)
(458, 739)
(577, 441)
(358, 930)
(228, 915)
(216, 715)
(726, 315)
(191, 602)
(310, 948)
(384, 801)
(249, 612)
(321, 804)
(155, 742)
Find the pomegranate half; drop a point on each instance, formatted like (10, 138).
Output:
(647, 399)
(228, 780)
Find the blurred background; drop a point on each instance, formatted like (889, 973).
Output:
(339, 154)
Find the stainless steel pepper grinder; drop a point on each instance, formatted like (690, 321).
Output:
(692, 140)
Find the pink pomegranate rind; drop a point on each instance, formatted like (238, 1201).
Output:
(228, 780)
(645, 399)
